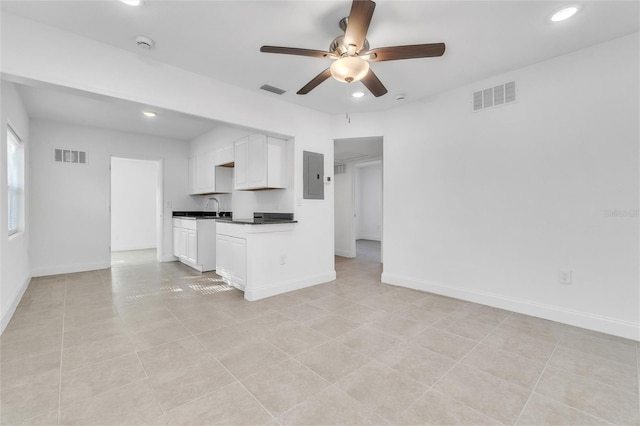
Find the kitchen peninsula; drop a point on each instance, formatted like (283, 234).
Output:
(252, 253)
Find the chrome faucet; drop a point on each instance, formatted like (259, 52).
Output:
(206, 207)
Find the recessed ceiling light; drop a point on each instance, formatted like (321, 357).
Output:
(357, 94)
(401, 97)
(149, 113)
(564, 14)
(132, 2)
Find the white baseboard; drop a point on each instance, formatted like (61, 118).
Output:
(614, 326)
(69, 269)
(168, 258)
(15, 300)
(343, 253)
(267, 290)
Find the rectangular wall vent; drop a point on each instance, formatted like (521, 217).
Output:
(339, 169)
(273, 89)
(494, 96)
(69, 156)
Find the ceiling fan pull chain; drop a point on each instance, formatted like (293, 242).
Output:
(347, 104)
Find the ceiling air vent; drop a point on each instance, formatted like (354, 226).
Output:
(69, 156)
(494, 96)
(273, 89)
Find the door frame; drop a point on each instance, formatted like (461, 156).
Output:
(355, 178)
(159, 162)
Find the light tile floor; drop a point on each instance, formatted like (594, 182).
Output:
(150, 343)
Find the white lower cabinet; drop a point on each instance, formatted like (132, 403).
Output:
(194, 243)
(253, 258)
(231, 263)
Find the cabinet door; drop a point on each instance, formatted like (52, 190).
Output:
(257, 161)
(238, 260)
(205, 173)
(192, 176)
(231, 260)
(241, 156)
(276, 162)
(176, 241)
(223, 251)
(192, 246)
(183, 243)
(224, 156)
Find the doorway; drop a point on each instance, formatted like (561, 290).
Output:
(368, 210)
(136, 209)
(358, 194)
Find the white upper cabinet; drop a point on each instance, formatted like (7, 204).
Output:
(206, 178)
(192, 176)
(224, 156)
(241, 159)
(205, 173)
(259, 162)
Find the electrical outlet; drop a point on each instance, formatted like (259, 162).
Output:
(283, 259)
(564, 276)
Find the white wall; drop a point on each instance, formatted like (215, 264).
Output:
(80, 63)
(70, 203)
(369, 202)
(489, 206)
(134, 184)
(14, 250)
(344, 195)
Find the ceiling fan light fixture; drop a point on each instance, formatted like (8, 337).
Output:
(349, 69)
(132, 2)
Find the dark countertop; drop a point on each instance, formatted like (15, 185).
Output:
(250, 221)
(258, 218)
(200, 215)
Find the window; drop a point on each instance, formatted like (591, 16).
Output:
(15, 170)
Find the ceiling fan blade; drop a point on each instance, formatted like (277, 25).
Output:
(298, 52)
(358, 23)
(315, 82)
(373, 83)
(406, 52)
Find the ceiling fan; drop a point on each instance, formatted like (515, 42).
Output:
(351, 52)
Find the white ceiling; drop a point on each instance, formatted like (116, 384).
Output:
(221, 39)
(357, 149)
(89, 109)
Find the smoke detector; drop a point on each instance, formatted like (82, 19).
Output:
(145, 42)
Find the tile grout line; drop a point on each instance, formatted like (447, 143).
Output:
(600, 383)
(370, 359)
(64, 314)
(237, 380)
(155, 391)
(457, 363)
(105, 392)
(533, 389)
(226, 369)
